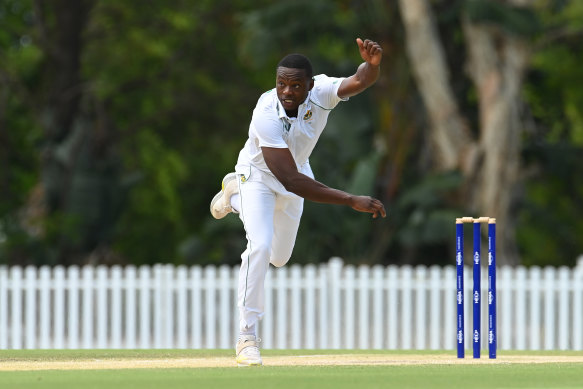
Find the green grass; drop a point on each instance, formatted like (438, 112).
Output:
(548, 375)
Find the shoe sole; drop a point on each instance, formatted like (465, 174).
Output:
(249, 364)
(228, 178)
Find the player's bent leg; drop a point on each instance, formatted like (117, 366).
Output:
(286, 222)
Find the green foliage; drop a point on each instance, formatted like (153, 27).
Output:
(265, 31)
(551, 220)
(516, 20)
(156, 205)
(428, 220)
(176, 111)
(167, 90)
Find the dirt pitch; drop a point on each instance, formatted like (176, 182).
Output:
(297, 360)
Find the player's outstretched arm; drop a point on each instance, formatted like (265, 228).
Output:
(282, 165)
(367, 73)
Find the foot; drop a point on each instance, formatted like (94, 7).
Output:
(221, 203)
(248, 351)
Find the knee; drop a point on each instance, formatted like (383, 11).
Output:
(279, 262)
(261, 249)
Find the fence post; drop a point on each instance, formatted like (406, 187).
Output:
(520, 308)
(88, 310)
(563, 317)
(225, 308)
(196, 306)
(16, 307)
(310, 321)
(281, 308)
(210, 312)
(145, 304)
(363, 306)
(535, 283)
(392, 322)
(420, 285)
(73, 324)
(102, 307)
(30, 315)
(334, 290)
(506, 287)
(323, 276)
(549, 298)
(578, 305)
(45, 305)
(3, 307)
(406, 304)
(267, 324)
(436, 307)
(181, 307)
(130, 276)
(296, 307)
(116, 309)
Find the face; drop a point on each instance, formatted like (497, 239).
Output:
(292, 87)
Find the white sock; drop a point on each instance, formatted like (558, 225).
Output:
(248, 331)
(236, 202)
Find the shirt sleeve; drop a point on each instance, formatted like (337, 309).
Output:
(268, 130)
(326, 91)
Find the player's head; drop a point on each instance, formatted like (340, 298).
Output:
(297, 61)
(293, 81)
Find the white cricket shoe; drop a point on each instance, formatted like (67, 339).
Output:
(248, 351)
(221, 203)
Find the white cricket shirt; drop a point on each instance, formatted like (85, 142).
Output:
(271, 127)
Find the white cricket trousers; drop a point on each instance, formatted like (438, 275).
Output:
(271, 217)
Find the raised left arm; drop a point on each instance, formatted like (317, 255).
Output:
(367, 73)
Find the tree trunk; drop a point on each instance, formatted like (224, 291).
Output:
(496, 62)
(449, 136)
(79, 172)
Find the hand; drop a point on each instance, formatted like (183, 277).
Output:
(368, 204)
(370, 51)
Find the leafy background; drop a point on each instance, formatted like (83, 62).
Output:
(119, 119)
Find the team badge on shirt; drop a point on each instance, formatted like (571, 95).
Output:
(308, 115)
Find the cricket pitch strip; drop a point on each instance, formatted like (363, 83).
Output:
(296, 360)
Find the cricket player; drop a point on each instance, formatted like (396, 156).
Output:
(273, 176)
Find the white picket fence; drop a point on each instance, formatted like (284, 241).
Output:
(326, 306)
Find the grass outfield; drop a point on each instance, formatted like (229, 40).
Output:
(380, 369)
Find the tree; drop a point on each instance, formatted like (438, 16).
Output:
(551, 222)
(498, 51)
(119, 99)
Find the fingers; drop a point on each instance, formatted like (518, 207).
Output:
(372, 48)
(377, 209)
(370, 205)
(370, 51)
(380, 211)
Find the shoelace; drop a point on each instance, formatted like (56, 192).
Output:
(252, 350)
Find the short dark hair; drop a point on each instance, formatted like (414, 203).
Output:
(297, 61)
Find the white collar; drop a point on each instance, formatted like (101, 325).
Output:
(281, 111)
